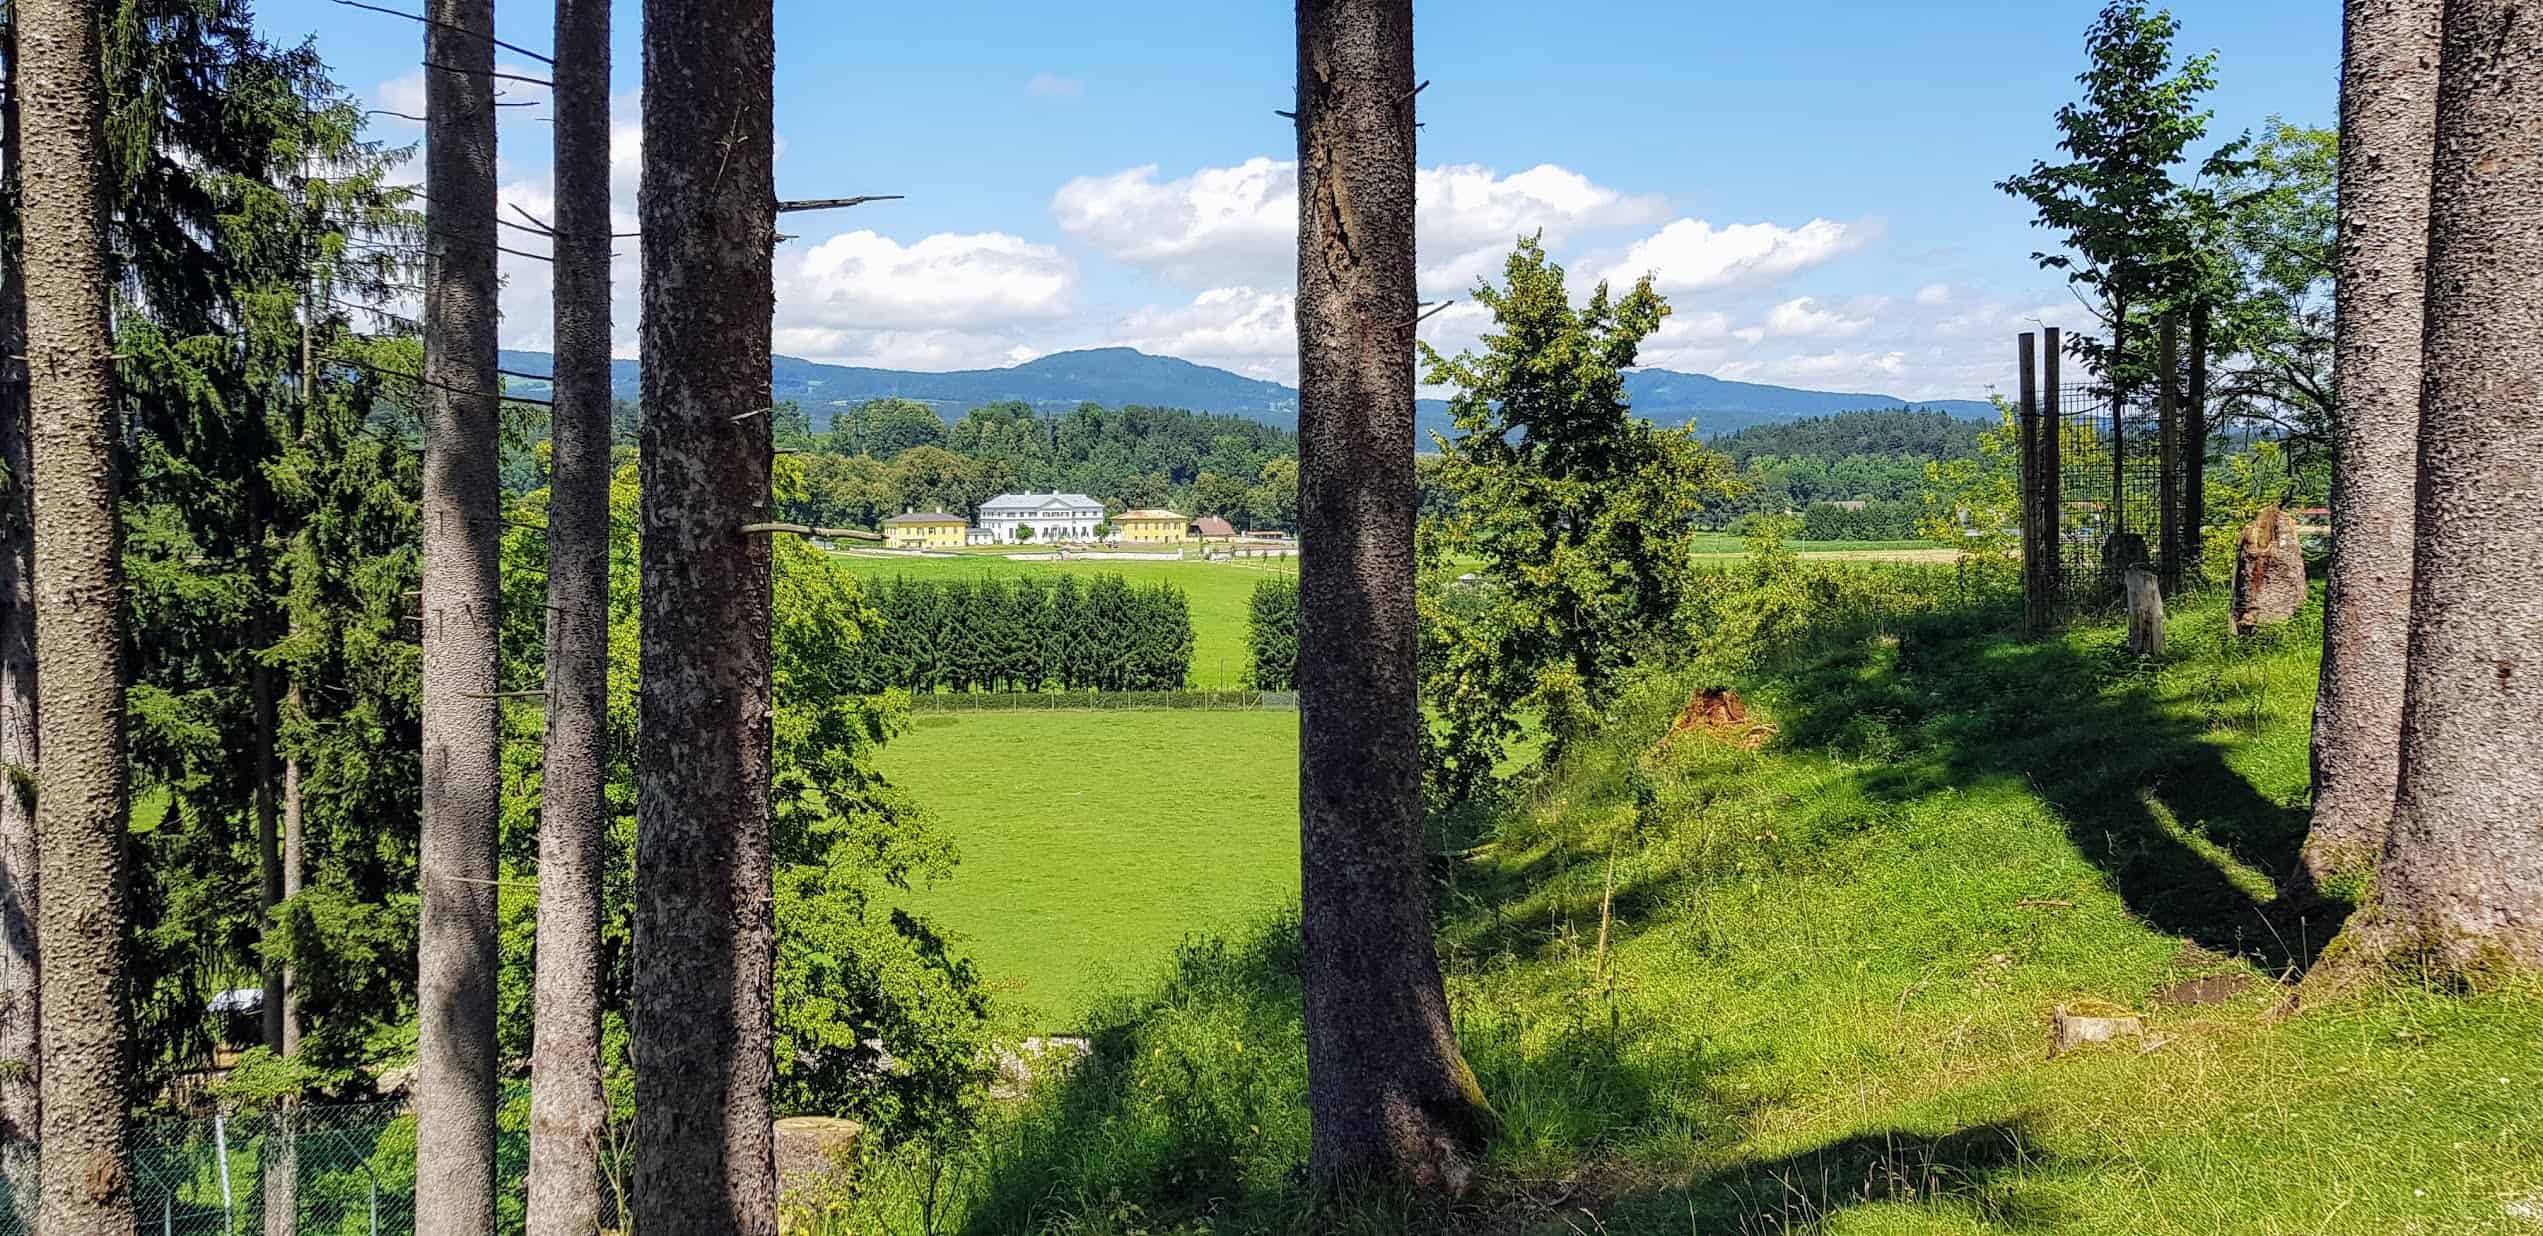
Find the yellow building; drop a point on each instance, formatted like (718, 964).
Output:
(1150, 528)
(925, 530)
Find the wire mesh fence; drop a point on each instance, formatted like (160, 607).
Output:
(334, 1170)
(2113, 490)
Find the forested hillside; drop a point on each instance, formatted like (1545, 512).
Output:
(1877, 462)
(1897, 433)
(887, 456)
(1124, 376)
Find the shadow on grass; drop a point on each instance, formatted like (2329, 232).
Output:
(1189, 1114)
(1968, 1171)
(2142, 790)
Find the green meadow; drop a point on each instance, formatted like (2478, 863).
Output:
(1093, 842)
(1806, 987)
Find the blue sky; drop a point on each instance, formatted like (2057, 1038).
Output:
(1812, 180)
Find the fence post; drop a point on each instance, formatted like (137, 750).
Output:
(2168, 451)
(2034, 599)
(167, 1214)
(2052, 471)
(221, 1155)
(375, 1206)
(2194, 429)
(2118, 521)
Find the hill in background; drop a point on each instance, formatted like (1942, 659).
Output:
(1120, 376)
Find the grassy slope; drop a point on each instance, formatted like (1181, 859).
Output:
(1218, 593)
(1825, 1005)
(1093, 841)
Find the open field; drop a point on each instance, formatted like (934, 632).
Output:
(1715, 543)
(1824, 1003)
(1218, 593)
(1854, 551)
(1093, 841)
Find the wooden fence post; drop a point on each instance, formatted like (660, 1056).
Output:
(2117, 524)
(2168, 452)
(2052, 474)
(2026, 423)
(2145, 612)
(2194, 442)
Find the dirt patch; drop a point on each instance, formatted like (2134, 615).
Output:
(1720, 714)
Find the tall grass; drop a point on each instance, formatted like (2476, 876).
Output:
(1807, 987)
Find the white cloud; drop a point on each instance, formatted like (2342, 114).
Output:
(1469, 211)
(1238, 225)
(1858, 371)
(1253, 331)
(1934, 294)
(1691, 255)
(402, 95)
(1220, 225)
(1993, 320)
(1805, 317)
(901, 349)
(865, 280)
(1054, 86)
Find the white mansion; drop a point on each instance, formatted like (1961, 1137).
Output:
(1052, 517)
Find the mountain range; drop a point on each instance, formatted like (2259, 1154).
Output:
(1117, 376)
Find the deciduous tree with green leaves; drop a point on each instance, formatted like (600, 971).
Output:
(2136, 238)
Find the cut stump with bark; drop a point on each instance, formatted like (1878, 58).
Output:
(2269, 573)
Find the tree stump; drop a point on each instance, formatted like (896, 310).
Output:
(2145, 613)
(2269, 573)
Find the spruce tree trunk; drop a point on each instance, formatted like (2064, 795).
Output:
(269, 836)
(278, 1172)
(19, 1109)
(566, 1104)
(1390, 1098)
(295, 709)
(2388, 118)
(281, 1183)
(704, 923)
(455, 1053)
(2462, 880)
(79, 619)
(293, 872)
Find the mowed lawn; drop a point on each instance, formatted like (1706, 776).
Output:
(1218, 592)
(1093, 842)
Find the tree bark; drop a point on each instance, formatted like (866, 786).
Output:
(566, 1103)
(281, 1183)
(269, 834)
(295, 709)
(2388, 118)
(2462, 879)
(704, 922)
(79, 616)
(1391, 1101)
(455, 1053)
(20, 1110)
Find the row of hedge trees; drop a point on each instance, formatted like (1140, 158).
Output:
(1882, 519)
(1030, 633)
(1271, 636)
